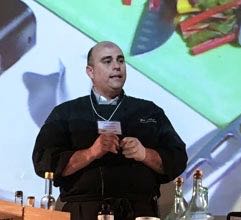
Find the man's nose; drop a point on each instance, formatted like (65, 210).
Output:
(116, 65)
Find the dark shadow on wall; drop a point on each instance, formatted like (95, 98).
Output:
(44, 92)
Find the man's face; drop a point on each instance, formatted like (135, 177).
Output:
(107, 69)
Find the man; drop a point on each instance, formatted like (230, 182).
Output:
(109, 148)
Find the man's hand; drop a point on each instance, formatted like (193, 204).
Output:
(103, 144)
(133, 148)
(81, 158)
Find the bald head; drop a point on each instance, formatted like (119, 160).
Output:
(97, 47)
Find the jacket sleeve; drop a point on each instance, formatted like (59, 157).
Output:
(52, 147)
(172, 150)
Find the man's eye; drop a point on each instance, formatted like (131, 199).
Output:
(107, 61)
(121, 60)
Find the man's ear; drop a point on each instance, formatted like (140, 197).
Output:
(89, 71)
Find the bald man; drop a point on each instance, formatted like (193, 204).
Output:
(109, 150)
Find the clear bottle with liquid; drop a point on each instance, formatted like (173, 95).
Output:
(48, 200)
(180, 203)
(19, 197)
(198, 206)
(205, 194)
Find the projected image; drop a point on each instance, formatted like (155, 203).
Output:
(202, 94)
(18, 32)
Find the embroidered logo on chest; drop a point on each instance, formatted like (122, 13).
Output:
(148, 120)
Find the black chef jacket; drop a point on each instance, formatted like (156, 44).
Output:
(73, 125)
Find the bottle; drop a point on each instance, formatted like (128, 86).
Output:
(180, 203)
(19, 197)
(205, 194)
(105, 213)
(30, 201)
(198, 206)
(48, 201)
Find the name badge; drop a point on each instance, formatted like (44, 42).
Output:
(113, 127)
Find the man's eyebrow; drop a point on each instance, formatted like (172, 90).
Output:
(105, 58)
(120, 57)
(110, 57)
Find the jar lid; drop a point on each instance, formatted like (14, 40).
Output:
(19, 193)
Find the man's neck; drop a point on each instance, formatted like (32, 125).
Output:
(103, 99)
(108, 96)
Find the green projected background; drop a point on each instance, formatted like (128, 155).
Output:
(210, 83)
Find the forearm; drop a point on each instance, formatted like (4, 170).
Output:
(78, 160)
(103, 144)
(153, 160)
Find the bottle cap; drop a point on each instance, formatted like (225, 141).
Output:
(179, 181)
(198, 174)
(105, 209)
(48, 175)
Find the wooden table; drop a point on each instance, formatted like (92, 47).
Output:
(12, 211)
